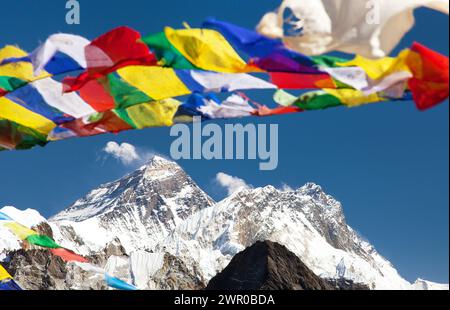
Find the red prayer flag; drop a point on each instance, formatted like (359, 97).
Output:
(429, 85)
(68, 256)
(96, 95)
(288, 80)
(106, 121)
(266, 111)
(115, 49)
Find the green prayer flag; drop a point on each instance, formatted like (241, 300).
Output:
(43, 241)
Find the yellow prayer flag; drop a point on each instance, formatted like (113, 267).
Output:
(207, 49)
(19, 230)
(379, 68)
(4, 274)
(156, 82)
(158, 113)
(14, 112)
(19, 70)
(353, 98)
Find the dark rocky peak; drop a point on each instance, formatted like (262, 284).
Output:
(269, 266)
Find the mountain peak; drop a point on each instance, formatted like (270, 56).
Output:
(160, 160)
(156, 161)
(311, 188)
(159, 192)
(317, 193)
(160, 168)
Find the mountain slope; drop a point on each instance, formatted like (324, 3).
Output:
(421, 285)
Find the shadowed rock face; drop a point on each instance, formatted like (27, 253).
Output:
(270, 266)
(44, 229)
(174, 275)
(345, 284)
(37, 269)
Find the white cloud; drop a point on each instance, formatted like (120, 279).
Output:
(286, 188)
(232, 184)
(124, 152)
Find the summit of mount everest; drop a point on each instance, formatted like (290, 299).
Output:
(156, 228)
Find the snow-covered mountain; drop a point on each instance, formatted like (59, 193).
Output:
(140, 209)
(157, 221)
(308, 222)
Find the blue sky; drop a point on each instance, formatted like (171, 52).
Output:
(387, 163)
